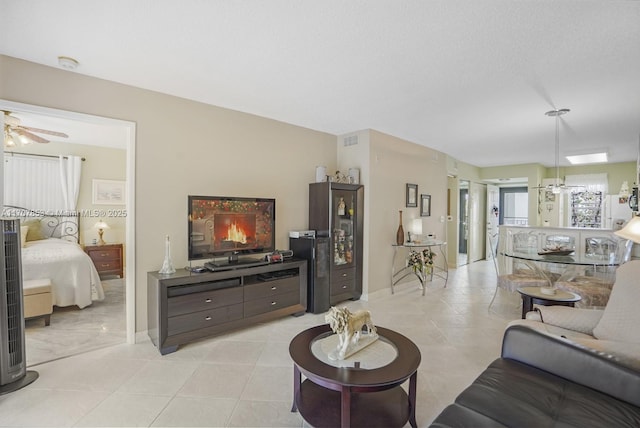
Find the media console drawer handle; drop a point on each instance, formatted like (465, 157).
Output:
(274, 288)
(273, 303)
(207, 318)
(208, 300)
(344, 286)
(344, 275)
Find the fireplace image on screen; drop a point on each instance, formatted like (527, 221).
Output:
(234, 231)
(230, 226)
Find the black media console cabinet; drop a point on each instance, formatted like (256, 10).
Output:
(187, 306)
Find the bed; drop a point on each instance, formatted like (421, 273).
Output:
(51, 250)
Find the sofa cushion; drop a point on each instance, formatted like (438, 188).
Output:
(621, 315)
(550, 328)
(456, 415)
(511, 393)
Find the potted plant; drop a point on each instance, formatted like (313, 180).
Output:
(416, 260)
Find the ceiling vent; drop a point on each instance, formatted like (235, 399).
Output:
(351, 140)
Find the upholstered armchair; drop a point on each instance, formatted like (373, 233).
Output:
(614, 329)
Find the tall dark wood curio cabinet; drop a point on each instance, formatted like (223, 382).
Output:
(336, 212)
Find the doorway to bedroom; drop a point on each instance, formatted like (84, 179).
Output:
(104, 210)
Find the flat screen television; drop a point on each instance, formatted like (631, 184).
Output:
(224, 226)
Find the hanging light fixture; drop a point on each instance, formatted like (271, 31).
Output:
(557, 186)
(8, 139)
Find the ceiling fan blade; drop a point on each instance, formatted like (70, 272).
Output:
(29, 135)
(44, 131)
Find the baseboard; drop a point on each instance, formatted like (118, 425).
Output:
(408, 286)
(141, 336)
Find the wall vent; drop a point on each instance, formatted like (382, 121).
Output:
(351, 140)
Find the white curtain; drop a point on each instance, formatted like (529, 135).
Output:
(589, 182)
(32, 182)
(70, 172)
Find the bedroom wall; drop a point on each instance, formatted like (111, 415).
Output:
(100, 163)
(184, 147)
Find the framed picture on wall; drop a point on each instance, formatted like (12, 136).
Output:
(412, 195)
(425, 205)
(109, 192)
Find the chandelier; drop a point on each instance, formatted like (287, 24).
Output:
(557, 186)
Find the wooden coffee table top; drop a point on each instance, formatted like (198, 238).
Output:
(404, 365)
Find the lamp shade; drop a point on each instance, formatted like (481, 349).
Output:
(631, 230)
(101, 225)
(416, 226)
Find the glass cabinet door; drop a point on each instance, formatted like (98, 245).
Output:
(343, 206)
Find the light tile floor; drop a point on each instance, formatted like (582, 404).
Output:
(74, 331)
(245, 378)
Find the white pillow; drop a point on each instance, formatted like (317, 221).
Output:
(621, 316)
(23, 235)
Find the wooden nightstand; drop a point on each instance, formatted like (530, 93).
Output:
(106, 258)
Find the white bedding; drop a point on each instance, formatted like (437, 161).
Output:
(74, 277)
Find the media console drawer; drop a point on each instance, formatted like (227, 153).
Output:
(270, 303)
(271, 288)
(204, 300)
(187, 306)
(203, 319)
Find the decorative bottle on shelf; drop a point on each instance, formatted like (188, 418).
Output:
(341, 207)
(400, 232)
(167, 265)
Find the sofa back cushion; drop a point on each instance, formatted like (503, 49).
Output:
(621, 316)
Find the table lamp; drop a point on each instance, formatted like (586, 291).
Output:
(416, 230)
(101, 225)
(631, 230)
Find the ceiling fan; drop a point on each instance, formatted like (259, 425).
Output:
(15, 133)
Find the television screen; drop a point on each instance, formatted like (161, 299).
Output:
(230, 226)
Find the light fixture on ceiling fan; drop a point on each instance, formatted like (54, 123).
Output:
(15, 133)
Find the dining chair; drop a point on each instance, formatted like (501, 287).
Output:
(594, 284)
(527, 276)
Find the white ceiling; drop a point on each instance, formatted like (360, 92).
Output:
(472, 78)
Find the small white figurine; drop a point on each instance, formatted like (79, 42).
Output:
(348, 326)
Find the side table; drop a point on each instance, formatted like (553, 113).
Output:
(106, 258)
(533, 295)
(362, 390)
(436, 270)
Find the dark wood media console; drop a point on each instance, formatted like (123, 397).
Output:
(187, 306)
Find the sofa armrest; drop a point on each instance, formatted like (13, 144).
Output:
(615, 375)
(576, 319)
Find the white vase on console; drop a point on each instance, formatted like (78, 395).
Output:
(167, 265)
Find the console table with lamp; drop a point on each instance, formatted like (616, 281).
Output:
(417, 242)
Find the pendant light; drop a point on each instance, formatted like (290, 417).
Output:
(557, 187)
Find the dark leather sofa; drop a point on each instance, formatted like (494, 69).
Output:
(542, 380)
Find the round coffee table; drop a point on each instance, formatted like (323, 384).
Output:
(363, 390)
(533, 295)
